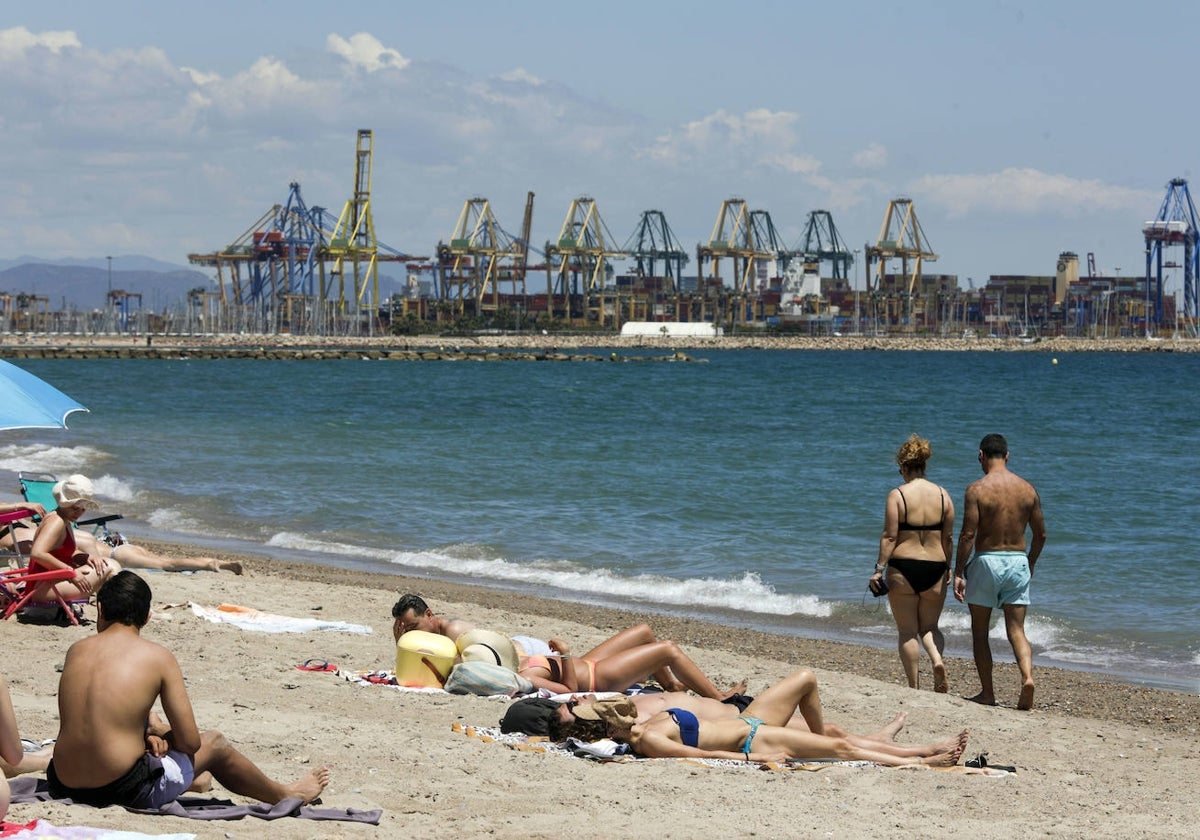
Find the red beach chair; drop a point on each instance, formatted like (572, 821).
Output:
(18, 585)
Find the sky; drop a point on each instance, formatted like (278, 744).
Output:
(1017, 129)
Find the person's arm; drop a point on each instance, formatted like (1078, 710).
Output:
(9, 507)
(891, 528)
(658, 745)
(183, 734)
(566, 663)
(948, 534)
(50, 535)
(1038, 526)
(534, 675)
(10, 739)
(966, 541)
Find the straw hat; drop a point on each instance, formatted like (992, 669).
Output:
(74, 490)
(488, 646)
(620, 712)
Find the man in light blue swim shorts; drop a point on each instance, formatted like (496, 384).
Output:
(997, 510)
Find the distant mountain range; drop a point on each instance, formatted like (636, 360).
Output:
(84, 283)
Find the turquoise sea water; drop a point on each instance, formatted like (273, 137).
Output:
(747, 490)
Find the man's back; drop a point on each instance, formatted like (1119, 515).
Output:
(108, 685)
(1004, 504)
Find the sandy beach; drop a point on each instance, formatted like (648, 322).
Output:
(1094, 758)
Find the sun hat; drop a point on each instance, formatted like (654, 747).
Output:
(488, 646)
(74, 490)
(531, 716)
(620, 712)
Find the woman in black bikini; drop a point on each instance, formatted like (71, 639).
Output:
(914, 552)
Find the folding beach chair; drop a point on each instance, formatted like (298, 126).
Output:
(39, 487)
(8, 523)
(17, 588)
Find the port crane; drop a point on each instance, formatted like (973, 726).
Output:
(735, 236)
(1175, 224)
(478, 258)
(653, 242)
(821, 242)
(580, 255)
(900, 237)
(289, 268)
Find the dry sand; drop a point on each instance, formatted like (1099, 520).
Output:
(1095, 758)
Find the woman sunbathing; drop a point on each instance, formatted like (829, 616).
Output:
(759, 734)
(618, 663)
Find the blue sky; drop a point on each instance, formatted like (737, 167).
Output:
(1018, 129)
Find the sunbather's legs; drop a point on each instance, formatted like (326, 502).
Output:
(241, 776)
(620, 671)
(778, 703)
(136, 557)
(636, 636)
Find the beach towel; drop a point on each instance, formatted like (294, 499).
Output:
(27, 789)
(41, 828)
(248, 618)
(603, 751)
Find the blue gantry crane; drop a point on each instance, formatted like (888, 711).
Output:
(1175, 224)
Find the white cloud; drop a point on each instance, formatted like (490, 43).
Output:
(363, 51)
(15, 42)
(873, 156)
(520, 74)
(761, 135)
(1027, 190)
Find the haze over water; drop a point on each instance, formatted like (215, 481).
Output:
(748, 490)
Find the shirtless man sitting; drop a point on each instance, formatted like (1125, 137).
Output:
(760, 733)
(108, 753)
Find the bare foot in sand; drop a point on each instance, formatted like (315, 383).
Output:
(309, 786)
(889, 732)
(982, 699)
(949, 752)
(939, 679)
(1025, 701)
(229, 566)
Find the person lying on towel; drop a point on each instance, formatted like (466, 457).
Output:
(760, 733)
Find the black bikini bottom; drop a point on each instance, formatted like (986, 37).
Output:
(920, 574)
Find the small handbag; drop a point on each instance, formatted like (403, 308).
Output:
(878, 586)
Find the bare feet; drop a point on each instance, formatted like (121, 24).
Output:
(949, 752)
(202, 783)
(889, 732)
(939, 679)
(982, 699)
(1025, 701)
(309, 786)
(736, 688)
(230, 566)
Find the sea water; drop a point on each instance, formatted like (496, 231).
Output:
(746, 488)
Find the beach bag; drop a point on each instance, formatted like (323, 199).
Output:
(485, 679)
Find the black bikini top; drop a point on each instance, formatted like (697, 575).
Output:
(937, 526)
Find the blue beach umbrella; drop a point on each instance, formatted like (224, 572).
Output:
(27, 402)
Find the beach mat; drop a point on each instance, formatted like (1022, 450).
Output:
(40, 828)
(248, 618)
(26, 789)
(601, 752)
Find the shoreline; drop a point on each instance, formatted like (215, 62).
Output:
(1081, 692)
(523, 345)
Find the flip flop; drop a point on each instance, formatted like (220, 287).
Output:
(316, 665)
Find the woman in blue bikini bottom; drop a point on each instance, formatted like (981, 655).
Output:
(762, 734)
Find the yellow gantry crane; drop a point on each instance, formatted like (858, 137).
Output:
(582, 249)
(480, 256)
(733, 236)
(353, 238)
(900, 237)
